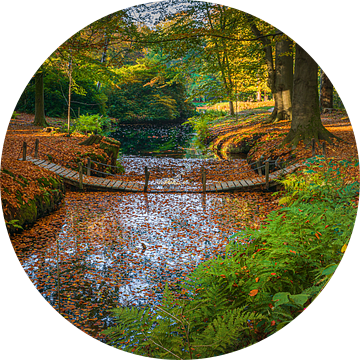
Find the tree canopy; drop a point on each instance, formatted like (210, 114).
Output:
(149, 62)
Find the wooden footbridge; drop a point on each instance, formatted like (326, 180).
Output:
(92, 183)
(83, 180)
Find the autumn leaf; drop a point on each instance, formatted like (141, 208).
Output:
(253, 292)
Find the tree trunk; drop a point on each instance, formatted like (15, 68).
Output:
(306, 123)
(283, 81)
(39, 100)
(69, 94)
(326, 93)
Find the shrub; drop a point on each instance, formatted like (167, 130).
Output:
(94, 124)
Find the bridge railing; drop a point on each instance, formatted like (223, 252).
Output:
(261, 166)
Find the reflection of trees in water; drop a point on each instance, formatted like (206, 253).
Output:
(154, 139)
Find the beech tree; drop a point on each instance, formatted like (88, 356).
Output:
(326, 93)
(306, 122)
(39, 99)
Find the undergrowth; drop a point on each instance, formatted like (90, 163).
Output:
(267, 277)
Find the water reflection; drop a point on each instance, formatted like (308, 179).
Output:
(120, 249)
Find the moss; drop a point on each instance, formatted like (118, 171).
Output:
(41, 205)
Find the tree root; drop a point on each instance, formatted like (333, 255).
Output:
(293, 138)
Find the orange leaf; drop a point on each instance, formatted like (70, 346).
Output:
(253, 292)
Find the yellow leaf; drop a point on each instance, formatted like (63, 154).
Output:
(344, 248)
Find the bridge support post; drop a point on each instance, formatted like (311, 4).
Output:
(267, 167)
(36, 155)
(24, 150)
(147, 175)
(81, 185)
(203, 179)
(258, 165)
(88, 167)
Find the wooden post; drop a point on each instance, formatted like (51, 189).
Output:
(36, 148)
(203, 178)
(313, 147)
(267, 174)
(324, 149)
(258, 165)
(147, 175)
(24, 150)
(88, 167)
(81, 185)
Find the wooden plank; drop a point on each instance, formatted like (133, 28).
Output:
(250, 183)
(211, 187)
(110, 184)
(243, 183)
(61, 171)
(138, 187)
(237, 184)
(224, 185)
(117, 184)
(128, 186)
(38, 161)
(105, 182)
(57, 167)
(123, 185)
(218, 186)
(50, 166)
(64, 174)
(72, 174)
(256, 181)
(42, 163)
(133, 186)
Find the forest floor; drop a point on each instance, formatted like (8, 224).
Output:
(249, 131)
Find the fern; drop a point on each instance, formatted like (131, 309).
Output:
(181, 329)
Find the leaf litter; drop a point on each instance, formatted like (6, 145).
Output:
(102, 250)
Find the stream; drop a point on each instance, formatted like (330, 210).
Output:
(102, 250)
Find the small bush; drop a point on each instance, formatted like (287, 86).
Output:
(92, 124)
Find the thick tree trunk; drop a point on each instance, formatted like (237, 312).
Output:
(306, 123)
(39, 100)
(231, 108)
(326, 93)
(283, 87)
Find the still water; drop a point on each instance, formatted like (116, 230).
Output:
(102, 250)
(168, 140)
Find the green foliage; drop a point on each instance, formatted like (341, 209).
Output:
(14, 115)
(201, 123)
(321, 181)
(148, 91)
(85, 96)
(14, 223)
(180, 329)
(93, 124)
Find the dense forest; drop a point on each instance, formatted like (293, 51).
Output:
(153, 62)
(138, 63)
